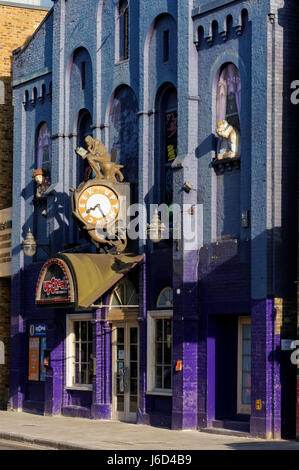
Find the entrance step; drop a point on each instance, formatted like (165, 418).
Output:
(242, 426)
(227, 427)
(76, 411)
(225, 432)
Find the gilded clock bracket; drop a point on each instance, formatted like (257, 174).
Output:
(100, 218)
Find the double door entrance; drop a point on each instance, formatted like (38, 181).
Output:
(125, 368)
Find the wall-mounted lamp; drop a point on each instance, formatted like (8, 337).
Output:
(30, 245)
(156, 230)
(187, 187)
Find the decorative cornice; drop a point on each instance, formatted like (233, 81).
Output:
(32, 76)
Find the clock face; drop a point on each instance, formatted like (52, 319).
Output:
(98, 205)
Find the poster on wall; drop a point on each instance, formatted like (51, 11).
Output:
(34, 359)
(42, 371)
(37, 346)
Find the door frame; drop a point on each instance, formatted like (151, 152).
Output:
(126, 415)
(241, 408)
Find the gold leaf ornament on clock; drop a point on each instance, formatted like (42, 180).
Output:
(98, 206)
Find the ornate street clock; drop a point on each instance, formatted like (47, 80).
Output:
(100, 204)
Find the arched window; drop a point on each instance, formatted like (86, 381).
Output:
(124, 295)
(166, 133)
(123, 29)
(43, 92)
(84, 129)
(34, 95)
(229, 95)
(43, 149)
(165, 299)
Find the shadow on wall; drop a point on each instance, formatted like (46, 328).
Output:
(56, 206)
(225, 294)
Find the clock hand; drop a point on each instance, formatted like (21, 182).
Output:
(95, 207)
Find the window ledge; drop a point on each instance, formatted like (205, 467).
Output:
(161, 393)
(84, 388)
(226, 164)
(121, 61)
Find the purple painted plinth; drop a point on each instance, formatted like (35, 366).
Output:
(102, 411)
(142, 417)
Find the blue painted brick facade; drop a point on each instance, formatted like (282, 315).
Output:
(236, 272)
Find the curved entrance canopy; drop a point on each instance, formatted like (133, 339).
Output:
(79, 279)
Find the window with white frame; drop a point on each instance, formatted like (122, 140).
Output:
(79, 351)
(159, 346)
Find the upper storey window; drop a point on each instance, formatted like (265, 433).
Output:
(229, 95)
(123, 29)
(166, 45)
(43, 148)
(166, 141)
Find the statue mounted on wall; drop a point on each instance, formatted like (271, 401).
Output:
(42, 180)
(231, 141)
(97, 153)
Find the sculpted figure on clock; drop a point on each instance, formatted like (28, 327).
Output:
(96, 154)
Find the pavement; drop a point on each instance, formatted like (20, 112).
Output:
(66, 433)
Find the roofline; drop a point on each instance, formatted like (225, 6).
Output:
(22, 5)
(21, 49)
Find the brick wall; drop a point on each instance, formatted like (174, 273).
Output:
(17, 24)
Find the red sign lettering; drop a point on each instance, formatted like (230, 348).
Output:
(55, 286)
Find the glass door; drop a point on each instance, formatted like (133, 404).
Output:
(125, 365)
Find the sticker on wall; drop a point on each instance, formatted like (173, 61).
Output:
(258, 404)
(38, 329)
